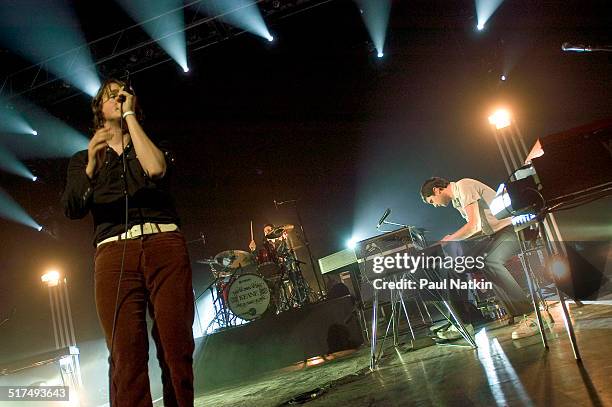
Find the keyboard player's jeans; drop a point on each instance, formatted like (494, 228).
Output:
(497, 249)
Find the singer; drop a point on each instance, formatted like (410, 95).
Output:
(141, 260)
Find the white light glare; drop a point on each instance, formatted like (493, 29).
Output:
(351, 243)
(381, 54)
(503, 77)
(39, 228)
(34, 133)
(185, 69)
(270, 38)
(484, 10)
(501, 119)
(34, 178)
(51, 277)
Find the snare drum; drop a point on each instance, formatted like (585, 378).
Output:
(248, 296)
(268, 262)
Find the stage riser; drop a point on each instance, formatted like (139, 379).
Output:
(275, 342)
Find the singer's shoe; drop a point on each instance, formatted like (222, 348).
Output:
(452, 333)
(529, 326)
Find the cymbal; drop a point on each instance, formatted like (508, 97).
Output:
(278, 232)
(235, 258)
(207, 261)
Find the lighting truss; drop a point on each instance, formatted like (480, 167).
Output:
(133, 50)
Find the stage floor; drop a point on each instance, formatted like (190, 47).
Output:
(502, 372)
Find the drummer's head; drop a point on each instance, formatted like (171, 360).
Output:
(268, 227)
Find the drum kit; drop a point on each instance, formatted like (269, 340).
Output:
(249, 285)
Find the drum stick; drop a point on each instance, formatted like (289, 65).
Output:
(252, 230)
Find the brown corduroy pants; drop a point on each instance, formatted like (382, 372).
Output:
(157, 276)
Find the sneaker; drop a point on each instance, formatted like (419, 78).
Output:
(527, 327)
(452, 333)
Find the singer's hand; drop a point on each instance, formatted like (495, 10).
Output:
(252, 245)
(130, 100)
(96, 150)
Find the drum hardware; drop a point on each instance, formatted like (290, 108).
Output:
(234, 258)
(279, 231)
(305, 241)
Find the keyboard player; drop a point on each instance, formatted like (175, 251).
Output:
(472, 198)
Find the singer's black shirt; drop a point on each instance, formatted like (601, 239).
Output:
(148, 200)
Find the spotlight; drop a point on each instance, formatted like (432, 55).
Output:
(480, 27)
(34, 178)
(559, 267)
(503, 77)
(380, 54)
(51, 277)
(186, 69)
(39, 228)
(34, 133)
(351, 243)
(500, 118)
(270, 38)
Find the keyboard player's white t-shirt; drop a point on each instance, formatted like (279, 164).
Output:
(467, 191)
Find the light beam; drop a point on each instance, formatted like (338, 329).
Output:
(484, 11)
(375, 15)
(48, 33)
(243, 14)
(9, 209)
(164, 22)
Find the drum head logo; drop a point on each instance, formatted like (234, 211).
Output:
(249, 296)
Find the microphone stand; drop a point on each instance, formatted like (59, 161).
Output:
(306, 242)
(385, 222)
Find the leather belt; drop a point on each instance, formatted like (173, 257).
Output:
(146, 228)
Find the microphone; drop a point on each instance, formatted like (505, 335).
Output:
(382, 219)
(566, 46)
(128, 88)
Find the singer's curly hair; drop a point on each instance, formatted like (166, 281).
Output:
(96, 104)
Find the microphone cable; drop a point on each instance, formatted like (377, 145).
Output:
(116, 310)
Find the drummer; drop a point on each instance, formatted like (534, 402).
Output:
(275, 242)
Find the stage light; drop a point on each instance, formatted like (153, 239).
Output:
(10, 163)
(186, 69)
(559, 267)
(12, 121)
(47, 33)
(501, 118)
(51, 278)
(40, 228)
(484, 11)
(375, 15)
(241, 14)
(9, 209)
(164, 22)
(34, 178)
(503, 77)
(34, 133)
(55, 139)
(351, 243)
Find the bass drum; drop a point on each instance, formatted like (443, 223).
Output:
(248, 296)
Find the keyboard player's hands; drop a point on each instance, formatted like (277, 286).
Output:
(446, 239)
